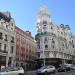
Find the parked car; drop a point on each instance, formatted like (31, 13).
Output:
(61, 69)
(73, 67)
(46, 69)
(64, 67)
(12, 71)
(68, 67)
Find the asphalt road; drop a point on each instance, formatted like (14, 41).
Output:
(65, 73)
(59, 73)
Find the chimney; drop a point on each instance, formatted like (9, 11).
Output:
(28, 32)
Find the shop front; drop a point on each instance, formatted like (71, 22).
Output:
(2, 62)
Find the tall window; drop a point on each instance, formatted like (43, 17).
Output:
(12, 49)
(5, 37)
(4, 47)
(73, 45)
(0, 46)
(38, 46)
(66, 45)
(0, 35)
(53, 46)
(45, 25)
(72, 41)
(53, 43)
(38, 54)
(12, 39)
(46, 40)
(46, 46)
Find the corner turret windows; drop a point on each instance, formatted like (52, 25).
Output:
(45, 26)
(53, 44)
(44, 22)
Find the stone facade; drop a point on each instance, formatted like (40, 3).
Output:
(7, 40)
(55, 43)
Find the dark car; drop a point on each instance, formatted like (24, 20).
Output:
(64, 67)
(68, 67)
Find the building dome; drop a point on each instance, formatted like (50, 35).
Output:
(43, 10)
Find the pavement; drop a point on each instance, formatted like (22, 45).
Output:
(65, 73)
(58, 73)
(30, 72)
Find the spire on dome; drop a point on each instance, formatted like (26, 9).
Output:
(43, 10)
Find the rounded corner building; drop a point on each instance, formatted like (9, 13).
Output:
(55, 43)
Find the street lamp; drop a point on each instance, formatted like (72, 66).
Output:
(43, 57)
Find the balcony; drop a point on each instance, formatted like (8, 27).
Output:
(12, 41)
(3, 51)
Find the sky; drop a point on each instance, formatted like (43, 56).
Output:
(24, 12)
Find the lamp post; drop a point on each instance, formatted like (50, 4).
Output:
(43, 57)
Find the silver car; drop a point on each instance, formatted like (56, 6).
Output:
(46, 69)
(12, 71)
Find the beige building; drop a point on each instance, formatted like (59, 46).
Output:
(7, 40)
(56, 43)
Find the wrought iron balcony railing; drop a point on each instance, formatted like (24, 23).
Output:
(3, 51)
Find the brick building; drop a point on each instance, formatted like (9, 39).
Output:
(25, 49)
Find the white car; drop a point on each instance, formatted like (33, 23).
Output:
(12, 71)
(46, 69)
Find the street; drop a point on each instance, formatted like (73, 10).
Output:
(59, 73)
(65, 73)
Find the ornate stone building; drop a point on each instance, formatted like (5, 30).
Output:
(7, 40)
(55, 43)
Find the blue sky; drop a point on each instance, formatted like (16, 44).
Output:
(25, 11)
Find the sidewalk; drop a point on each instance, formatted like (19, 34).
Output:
(30, 72)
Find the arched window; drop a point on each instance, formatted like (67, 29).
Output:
(46, 46)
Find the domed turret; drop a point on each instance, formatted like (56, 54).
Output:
(43, 20)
